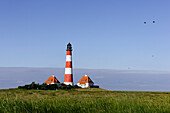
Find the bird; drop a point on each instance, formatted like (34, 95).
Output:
(153, 21)
(144, 22)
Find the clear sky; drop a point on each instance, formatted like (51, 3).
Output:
(106, 34)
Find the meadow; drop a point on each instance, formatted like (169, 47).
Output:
(93, 100)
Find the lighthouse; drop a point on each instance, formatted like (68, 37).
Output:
(68, 80)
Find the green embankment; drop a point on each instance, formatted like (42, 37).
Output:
(83, 100)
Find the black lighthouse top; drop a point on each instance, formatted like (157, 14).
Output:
(69, 48)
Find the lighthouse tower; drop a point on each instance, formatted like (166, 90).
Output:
(68, 80)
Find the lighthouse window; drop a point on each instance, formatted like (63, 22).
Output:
(83, 80)
(49, 80)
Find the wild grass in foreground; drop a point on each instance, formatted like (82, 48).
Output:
(96, 101)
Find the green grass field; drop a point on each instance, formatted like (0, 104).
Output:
(83, 100)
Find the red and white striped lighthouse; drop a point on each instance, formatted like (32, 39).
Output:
(68, 80)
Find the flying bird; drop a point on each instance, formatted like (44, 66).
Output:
(144, 22)
(153, 21)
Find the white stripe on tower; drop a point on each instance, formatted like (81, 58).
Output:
(68, 70)
(68, 58)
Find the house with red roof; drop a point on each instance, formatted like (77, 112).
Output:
(85, 82)
(52, 80)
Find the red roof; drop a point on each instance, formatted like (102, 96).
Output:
(85, 79)
(52, 80)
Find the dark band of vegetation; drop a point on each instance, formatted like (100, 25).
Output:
(44, 86)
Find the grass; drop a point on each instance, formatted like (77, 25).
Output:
(92, 100)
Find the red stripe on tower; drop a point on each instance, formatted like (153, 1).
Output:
(68, 80)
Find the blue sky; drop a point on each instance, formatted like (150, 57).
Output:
(106, 34)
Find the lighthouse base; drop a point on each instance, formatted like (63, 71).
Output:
(69, 83)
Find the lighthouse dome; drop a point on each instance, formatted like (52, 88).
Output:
(69, 48)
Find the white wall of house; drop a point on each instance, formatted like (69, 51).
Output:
(86, 85)
(53, 83)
